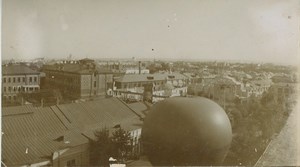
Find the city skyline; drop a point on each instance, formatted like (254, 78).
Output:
(251, 31)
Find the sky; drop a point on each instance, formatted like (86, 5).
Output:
(240, 30)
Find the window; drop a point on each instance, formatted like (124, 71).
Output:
(95, 83)
(30, 79)
(9, 89)
(35, 79)
(71, 162)
(4, 89)
(14, 79)
(9, 80)
(15, 97)
(4, 80)
(19, 79)
(23, 79)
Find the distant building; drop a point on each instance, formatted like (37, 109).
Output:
(283, 78)
(258, 87)
(16, 79)
(136, 71)
(125, 67)
(283, 91)
(193, 78)
(79, 79)
(162, 84)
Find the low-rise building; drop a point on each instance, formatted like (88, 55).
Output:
(258, 87)
(16, 79)
(159, 84)
(136, 71)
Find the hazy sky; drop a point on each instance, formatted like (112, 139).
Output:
(253, 30)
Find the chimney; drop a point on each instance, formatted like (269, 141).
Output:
(57, 101)
(22, 101)
(42, 102)
(139, 67)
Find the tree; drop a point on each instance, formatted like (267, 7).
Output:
(101, 149)
(105, 146)
(122, 143)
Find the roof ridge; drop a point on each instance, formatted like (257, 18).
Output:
(130, 108)
(31, 112)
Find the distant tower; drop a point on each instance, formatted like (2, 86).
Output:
(70, 57)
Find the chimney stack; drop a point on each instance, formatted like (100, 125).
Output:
(42, 102)
(139, 67)
(57, 100)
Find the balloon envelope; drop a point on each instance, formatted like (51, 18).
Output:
(186, 131)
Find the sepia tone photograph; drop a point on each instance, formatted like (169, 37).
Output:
(124, 83)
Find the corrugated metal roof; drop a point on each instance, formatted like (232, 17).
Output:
(97, 114)
(139, 108)
(29, 131)
(37, 129)
(14, 69)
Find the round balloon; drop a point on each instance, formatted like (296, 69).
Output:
(186, 131)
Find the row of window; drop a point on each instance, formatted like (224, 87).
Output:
(140, 84)
(10, 97)
(18, 79)
(64, 79)
(19, 89)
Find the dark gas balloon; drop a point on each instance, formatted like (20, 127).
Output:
(186, 131)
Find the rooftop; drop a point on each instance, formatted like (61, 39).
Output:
(84, 66)
(31, 134)
(150, 77)
(17, 69)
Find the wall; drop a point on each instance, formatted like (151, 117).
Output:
(15, 84)
(85, 85)
(79, 155)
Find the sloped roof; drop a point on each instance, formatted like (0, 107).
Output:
(93, 115)
(37, 129)
(17, 69)
(143, 77)
(140, 108)
(225, 81)
(29, 130)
